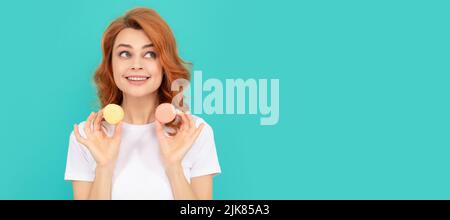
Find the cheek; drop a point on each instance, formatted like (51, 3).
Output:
(118, 69)
(155, 69)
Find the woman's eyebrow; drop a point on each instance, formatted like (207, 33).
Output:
(124, 45)
(129, 46)
(148, 45)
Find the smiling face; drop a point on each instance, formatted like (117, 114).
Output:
(135, 64)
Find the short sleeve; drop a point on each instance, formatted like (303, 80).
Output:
(206, 161)
(80, 164)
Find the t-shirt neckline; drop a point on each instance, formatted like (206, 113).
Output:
(137, 126)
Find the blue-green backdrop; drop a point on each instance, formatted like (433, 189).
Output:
(364, 93)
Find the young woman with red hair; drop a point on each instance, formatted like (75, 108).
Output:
(136, 158)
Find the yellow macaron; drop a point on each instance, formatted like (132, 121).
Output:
(113, 113)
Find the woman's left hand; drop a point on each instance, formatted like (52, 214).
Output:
(174, 148)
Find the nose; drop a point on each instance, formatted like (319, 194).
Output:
(136, 68)
(136, 65)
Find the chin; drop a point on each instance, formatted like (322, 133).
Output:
(137, 94)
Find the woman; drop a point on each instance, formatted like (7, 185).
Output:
(136, 158)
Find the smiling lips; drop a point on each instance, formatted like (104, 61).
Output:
(137, 79)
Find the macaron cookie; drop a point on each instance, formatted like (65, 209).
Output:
(165, 113)
(113, 113)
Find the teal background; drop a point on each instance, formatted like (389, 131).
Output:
(364, 88)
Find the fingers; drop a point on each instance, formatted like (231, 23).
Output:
(104, 129)
(185, 125)
(198, 131)
(78, 136)
(87, 125)
(191, 120)
(97, 121)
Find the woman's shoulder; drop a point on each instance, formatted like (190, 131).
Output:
(80, 129)
(108, 128)
(198, 120)
(81, 126)
(204, 146)
(207, 133)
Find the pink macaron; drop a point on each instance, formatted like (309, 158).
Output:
(165, 113)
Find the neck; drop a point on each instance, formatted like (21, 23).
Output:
(139, 110)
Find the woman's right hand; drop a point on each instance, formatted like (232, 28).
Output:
(103, 148)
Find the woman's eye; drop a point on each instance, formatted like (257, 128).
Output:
(150, 54)
(124, 54)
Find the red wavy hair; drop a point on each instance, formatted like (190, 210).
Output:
(160, 34)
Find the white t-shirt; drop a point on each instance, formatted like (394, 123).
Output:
(139, 172)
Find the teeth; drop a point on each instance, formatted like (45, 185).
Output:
(137, 78)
